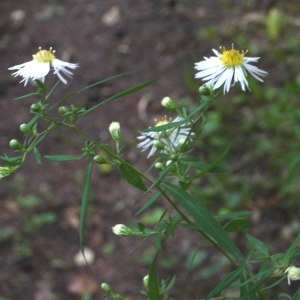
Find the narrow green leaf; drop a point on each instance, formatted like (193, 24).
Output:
(52, 90)
(153, 287)
(234, 215)
(204, 218)
(11, 160)
(62, 158)
(237, 225)
(27, 96)
(85, 200)
(263, 277)
(40, 84)
(257, 245)
(203, 166)
(37, 155)
(150, 202)
(229, 279)
(122, 94)
(88, 87)
(132, 177)
(32, 121)
(289, 253)
(246, 290)
(274, 284)
(210, 167)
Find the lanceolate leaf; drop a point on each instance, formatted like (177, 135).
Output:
(204, 218)
(206, 221)
(133, 177)
(229, 279)
(153, 289)
(122, 94)
(62, 158)
(151, 201)
(37, 155)
(27, 96)
(85, 200)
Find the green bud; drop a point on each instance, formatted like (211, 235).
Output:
(14, 144)
(205, 90)
(174, 168)
(159, 145)
(182, 145)
(159, 166)
(145, 281)
(121, 229)
(106, 288)
(174, 157)
(23, 127)
(35, 107)
(62, 110)
(100, 159)
(169, 104)
(115, 131)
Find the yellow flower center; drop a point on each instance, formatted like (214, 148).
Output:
(232, 58)
(163, 121)
(44, 56)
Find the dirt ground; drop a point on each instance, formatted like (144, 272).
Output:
(159, 38)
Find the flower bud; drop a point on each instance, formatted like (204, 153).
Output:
(159, 166)
(23, 127)
(106, 288)
(36, 107)
(205, 90)
(174, 157)
(115, 131)
(121, 229)
(182, 145)
(5, 171)
(100, 159)
(145, 281)
(169, 104)
(62, 110)
(159, 145)
(293, 273)
(14, 144)
(174, 168)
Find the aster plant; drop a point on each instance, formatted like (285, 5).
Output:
(175, 166)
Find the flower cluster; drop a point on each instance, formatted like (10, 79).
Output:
(227, 68)
(40, 66)
(167, 140)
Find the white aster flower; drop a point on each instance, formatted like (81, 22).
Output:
(171, 138)
(293, 273)
(227, 68)
(40, 66)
